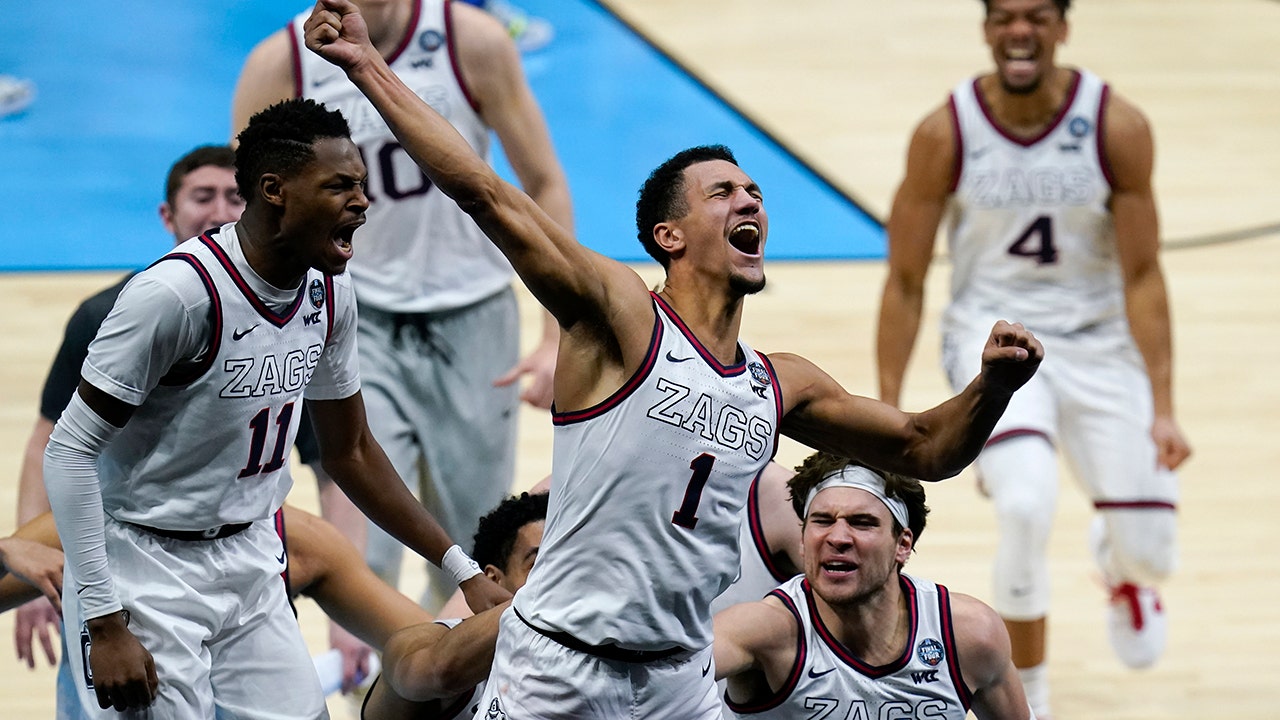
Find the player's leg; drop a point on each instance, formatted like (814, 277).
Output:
(260, 665)
(388, 348)
(467, 426)
(1106, 431)
(1018, 471)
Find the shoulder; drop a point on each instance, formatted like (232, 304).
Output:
(981, 637)
(273, 51)
(1128, 145)
(487, 56)
(761, 626)
(170, 282)
(91, 312)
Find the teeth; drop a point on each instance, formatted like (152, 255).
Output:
(747, 228)
(1018, 54)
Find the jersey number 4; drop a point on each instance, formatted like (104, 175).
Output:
(258, 442)
(1037, 242)
(687, 515)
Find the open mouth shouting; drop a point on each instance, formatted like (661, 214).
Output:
(745, 238)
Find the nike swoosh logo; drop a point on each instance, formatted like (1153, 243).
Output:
(707, 669)
(323, 80)
(675, 359)
(816, 675)
(979, 152)
(281, 557)
(241, 333)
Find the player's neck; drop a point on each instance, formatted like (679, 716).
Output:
(714, 319)
(257, 242)
(874, 629)
(1027, 115)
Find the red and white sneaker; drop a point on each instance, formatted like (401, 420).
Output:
(1137, 625)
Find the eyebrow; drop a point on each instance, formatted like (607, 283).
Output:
(729, 185)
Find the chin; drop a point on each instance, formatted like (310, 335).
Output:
(746, 286)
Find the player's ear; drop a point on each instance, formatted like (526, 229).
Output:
(166, 217)
(906, 541)
(494, 573)
(271, 188)
(669, 237)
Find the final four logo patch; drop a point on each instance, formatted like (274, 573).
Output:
(758, 373)
(316, 291)
(930, 652)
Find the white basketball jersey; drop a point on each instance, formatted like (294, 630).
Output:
(209, 445)
(758, 573)
(418, 252)
(647, 493)
(829, 682)
(1031, 239)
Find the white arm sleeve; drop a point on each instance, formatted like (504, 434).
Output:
(71, 479)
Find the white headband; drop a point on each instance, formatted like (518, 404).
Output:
(856, 476)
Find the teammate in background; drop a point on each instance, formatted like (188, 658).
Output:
(166, 467)
(1053, 224)
(854, 635)
(663, 418)
(768, 539)
(200, 193)
(439, 328)
(424, 665)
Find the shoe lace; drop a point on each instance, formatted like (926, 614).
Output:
(1128, 594)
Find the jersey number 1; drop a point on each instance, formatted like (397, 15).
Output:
(1037, 242)
(258, 442)
(686, 516)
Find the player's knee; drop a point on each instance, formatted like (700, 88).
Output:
(1145, 553)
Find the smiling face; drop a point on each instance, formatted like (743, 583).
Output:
(324, 203)
(1023, 36)
(726, 226)
(206, 198)
(849, 548)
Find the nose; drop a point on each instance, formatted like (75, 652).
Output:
(226, 209)
(746, 202)
(359, 200)
(840, 535)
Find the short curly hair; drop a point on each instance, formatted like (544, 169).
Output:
(819, 465)
(281, 139)
(662, 195)
(1063, 6)
(496, 533)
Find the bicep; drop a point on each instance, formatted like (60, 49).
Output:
(1130, 155)
(921, 200)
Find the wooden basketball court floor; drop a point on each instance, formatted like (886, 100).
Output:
(843, 83)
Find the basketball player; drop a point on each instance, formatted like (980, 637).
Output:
(662, 416)
(854, 636)
(1047, 174)
(200, 193)
(424, 665)
(769, 538)
(438, 327)
(166, 467)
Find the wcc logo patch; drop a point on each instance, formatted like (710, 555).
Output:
(930, 652)
(316, 293)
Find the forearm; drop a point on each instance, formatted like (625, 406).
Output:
(1147, 307)
(369, 480)
(33, 501)
(900, 310)
(71, 479)
(459, 660)
(953, 433)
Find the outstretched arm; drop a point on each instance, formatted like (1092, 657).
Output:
(931, 445)
(918, 208)
(1130, 154)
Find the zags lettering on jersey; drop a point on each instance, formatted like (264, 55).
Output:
(726, 425)
(1014, 187)
(825, 708)
(269, 375)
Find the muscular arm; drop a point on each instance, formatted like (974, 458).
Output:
(428, 662)
(352, 457)
(325, 566)
(1130, 154)
(931, 445)
(986, 662)
(917, 210)
(490, 67)
(600, 304)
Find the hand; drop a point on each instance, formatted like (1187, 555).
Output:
(336, 32)
(355, 656)
(483, 593)
(1171, 448)
(36, 618)
(541, 364)
(124, 674)
(35, 564)
(1011, 356)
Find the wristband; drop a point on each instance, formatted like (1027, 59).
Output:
(459, 565)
